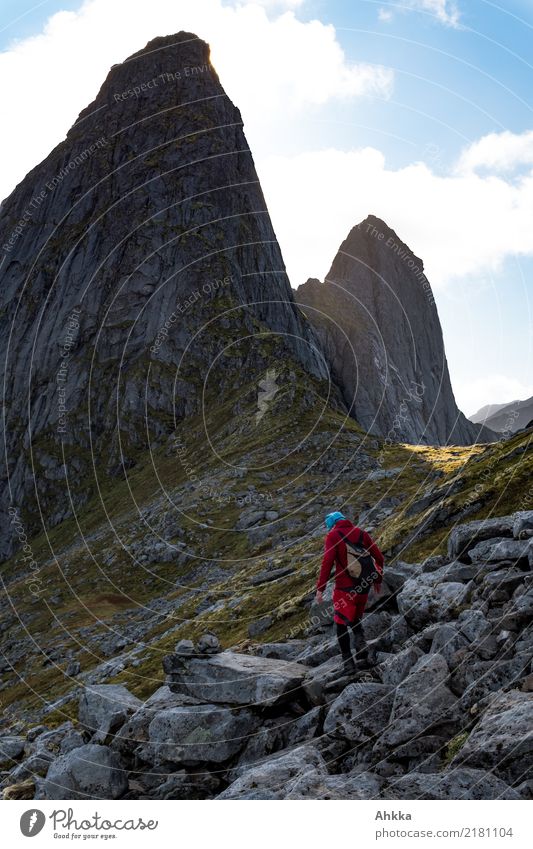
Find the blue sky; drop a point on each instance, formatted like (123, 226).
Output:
(417, 111)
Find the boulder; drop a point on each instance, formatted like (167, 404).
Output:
(10, 749)
(478, 631)
(316, 785)
(282, 651)
(89, 772)
(184, 647)
(270, 779)
(275, 734)
(36, 764)
(464, 537)
(492, 550)
(397, 574)
(447, 641)
(422, 703)
(192, 735)
(487, 677)
(398, 666)
(518, 613)
(459, 783)
(135, 729)
(103, 708)
(320, 676)
(208, 644)
(523, 524)
(430, 598)
(359, 713)
(502, 739)
(255, 629)
(235, 679)
(318, 650)
(59, 740)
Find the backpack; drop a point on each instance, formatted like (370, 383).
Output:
(360, 565)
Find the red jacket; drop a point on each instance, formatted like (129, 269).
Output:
(335, 553)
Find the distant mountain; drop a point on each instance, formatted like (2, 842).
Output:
(380, 331)
(488, 410)
(509, 418)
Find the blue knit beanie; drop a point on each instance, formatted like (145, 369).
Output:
(332, 518)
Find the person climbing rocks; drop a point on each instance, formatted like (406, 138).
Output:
(358, 567)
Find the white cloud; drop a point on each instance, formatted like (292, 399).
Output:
(472, 395)
(385, 15)
(445, 11)
(498, 152)
(271, 64)
(460, 224)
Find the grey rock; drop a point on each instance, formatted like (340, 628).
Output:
(422, 703)
(489, 676)
(447, 641)
(464, 537)
(436, 561)
(518, 613)
(184, 647)
(192, 735)
(458, 783)
(255, 629)
(282, 651)
(398, 666)
(478, 631)
(281, 733)
(502, 740)
(235, 679)
(360, 712)
(10, 749)
(270, 779)
(315, 785)
(492, 550)
(89, 772)
(430, 599)
(104, 708)
(135, 729)
(208, 644)
(36, 764)
(523, 524)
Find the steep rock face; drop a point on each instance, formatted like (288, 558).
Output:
(138, 267)
(381, 335)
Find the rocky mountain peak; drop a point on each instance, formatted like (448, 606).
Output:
(378, 324)
(141, 274)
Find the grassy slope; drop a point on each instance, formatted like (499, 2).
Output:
(91, 581)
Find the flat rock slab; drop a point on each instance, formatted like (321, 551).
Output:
(235, 679)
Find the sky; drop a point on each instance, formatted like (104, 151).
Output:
(418, 111)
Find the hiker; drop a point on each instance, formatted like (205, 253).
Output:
(358, 567)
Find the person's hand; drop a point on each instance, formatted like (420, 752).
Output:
(377, 587)
(319, 598)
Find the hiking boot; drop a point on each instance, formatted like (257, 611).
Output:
(348, 665)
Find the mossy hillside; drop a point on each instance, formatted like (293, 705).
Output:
(94, 582)
(476, 482)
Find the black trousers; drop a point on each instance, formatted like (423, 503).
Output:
(343, 637)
